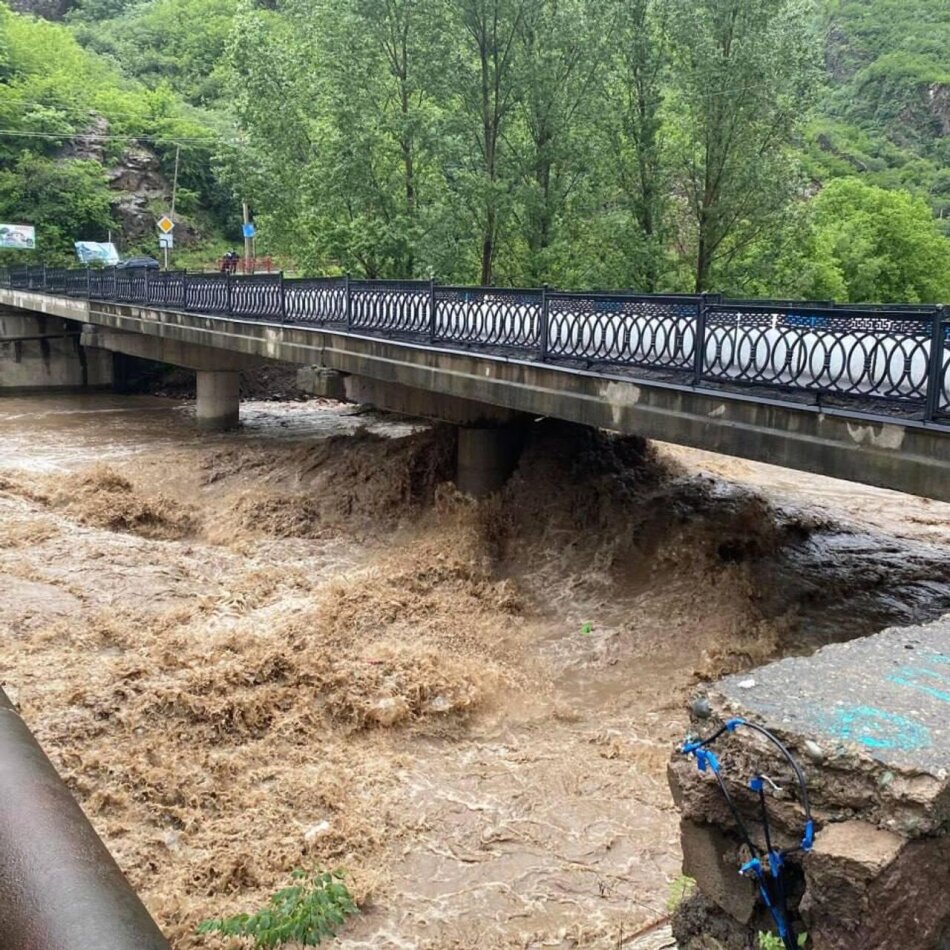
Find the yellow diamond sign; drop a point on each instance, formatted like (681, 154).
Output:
(165, 224)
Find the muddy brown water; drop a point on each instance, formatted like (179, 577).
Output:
(292, 646)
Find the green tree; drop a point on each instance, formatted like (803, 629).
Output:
(640, 63)
(561, 51)
(743, 75)
(885, 245)
(487, 85)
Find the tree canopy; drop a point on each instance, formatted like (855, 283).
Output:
(774, 147)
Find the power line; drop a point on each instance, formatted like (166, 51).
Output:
(108, 136)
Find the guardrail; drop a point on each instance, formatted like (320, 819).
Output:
(893, 358)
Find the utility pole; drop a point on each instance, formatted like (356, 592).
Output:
(175, 179)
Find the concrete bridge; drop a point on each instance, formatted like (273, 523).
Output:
(860, 393)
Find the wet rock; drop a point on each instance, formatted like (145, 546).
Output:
(814, 751)
(872, 888)
(711, 856)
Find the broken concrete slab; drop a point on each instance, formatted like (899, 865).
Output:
(887, 696)
(868, 723)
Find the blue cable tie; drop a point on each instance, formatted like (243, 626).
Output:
(808, 839)
(732, 724)
(753, 864)
(756, 784)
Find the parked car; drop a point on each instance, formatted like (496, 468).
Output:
(148, 263)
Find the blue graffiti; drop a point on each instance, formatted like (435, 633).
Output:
(911, 675)
(877, 729)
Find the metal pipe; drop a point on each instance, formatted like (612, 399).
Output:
(60, 889)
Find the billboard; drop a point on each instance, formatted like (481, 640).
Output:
(19, 236)
(93, 252)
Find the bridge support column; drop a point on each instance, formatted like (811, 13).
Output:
(486, 457)
(39, 352)
(218, 399)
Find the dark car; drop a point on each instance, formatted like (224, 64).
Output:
(148, 263)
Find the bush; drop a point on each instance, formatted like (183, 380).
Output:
(306, 913)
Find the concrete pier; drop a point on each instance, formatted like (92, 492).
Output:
(486, 457)
(219, 397)
(42, 352)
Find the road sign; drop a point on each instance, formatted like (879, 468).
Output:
(249, 230)
(166, 241)
(165, 224)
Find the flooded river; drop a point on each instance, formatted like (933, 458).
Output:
(293, 646)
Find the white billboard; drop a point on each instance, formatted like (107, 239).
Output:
(89, 252)
(20, 236)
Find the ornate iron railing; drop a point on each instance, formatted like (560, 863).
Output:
(873, 358)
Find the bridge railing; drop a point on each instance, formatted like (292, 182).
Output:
(894, 358)
(870, 353)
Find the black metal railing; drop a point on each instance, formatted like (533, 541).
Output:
(872, 358)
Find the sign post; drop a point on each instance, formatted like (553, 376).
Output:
(166, 240)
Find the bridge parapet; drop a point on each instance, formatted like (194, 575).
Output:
(868, 359)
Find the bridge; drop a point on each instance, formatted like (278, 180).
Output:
(854, 392)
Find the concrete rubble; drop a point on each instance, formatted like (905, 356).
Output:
(869, 723)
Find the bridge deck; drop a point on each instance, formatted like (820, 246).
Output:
(861, 394)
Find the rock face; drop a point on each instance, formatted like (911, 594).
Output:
(48, 9)
(142, 187)
(868, 722)
(142, 191)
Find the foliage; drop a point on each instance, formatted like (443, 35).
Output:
(520, 140)
(680, 889)
(307, 913)
(178, 42)
(886, 113)
(769, 941)
(734, 118)
(53, 91)
(67, 202)
(883, 244)
(657, 145)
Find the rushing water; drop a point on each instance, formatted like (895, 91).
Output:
(173, 623)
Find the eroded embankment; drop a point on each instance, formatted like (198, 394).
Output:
(254, 656)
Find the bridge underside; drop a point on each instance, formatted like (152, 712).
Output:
(886, 452)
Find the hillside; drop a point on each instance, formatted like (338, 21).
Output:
(358, 132)
(886, 112)
(86, 150)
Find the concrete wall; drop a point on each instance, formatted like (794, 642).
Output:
(41, 352)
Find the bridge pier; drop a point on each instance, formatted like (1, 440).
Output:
(218, 403)
(217, 372)
(43, 352)
(490, 438)
(486, 457)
